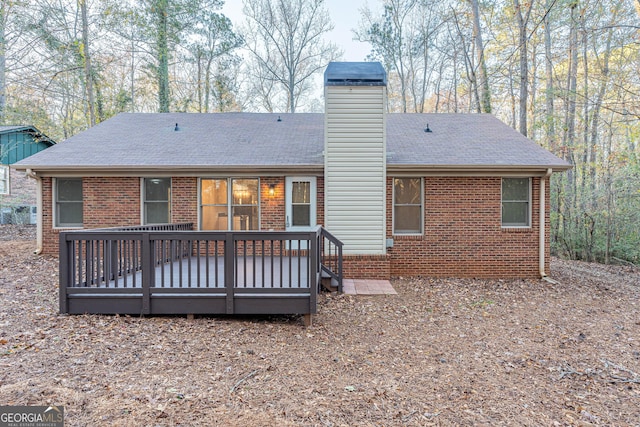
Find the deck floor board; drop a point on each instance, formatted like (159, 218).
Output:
(203, 273)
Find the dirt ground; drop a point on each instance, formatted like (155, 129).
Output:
(441, 352)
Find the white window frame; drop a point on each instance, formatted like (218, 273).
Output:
(393, 206)
(529, 203)
(7, 180)
(54, 207)
(144, 201)
(229, 203)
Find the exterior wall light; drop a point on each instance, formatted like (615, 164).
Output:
(272, 189)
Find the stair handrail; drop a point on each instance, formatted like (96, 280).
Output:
(330, 254)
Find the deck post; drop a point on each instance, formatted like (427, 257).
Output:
(147, 267)
(229, 271)
(64, 273)
(314, 275)
(308, 320)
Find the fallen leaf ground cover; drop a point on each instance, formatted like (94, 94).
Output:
(441, 352)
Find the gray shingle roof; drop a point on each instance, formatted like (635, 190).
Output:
(254, 140)
(462, 140)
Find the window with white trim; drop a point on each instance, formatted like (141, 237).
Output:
(229, 204)
(516, 202)
(68, 202)
(407, 206)
(156, 200)
(4, 179)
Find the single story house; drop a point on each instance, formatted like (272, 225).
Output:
(440, 195)
(17, 192)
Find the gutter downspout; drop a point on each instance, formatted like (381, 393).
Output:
(34, 175)
(543, 181)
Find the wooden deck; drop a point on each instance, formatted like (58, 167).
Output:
(146, 270)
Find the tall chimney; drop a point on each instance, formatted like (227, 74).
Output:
(355, 155)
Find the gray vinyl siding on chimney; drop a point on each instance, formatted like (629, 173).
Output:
(355, 167)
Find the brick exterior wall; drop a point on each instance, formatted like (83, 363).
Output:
(366, 266)
(463, 236)
(111, 202)
(272, 211)
(184, 200)
(108, 202)
(115, 201)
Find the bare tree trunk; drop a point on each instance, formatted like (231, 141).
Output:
(100, 116)
(455, 83)
(3, 59)
(549, 91)
(424, 83)
(198, 59)
(485, 93)
(207, 85)
(163, 55)
(533, 99)
(133, 74)
(609, 193)
(438, 86)
(469, 68)
(400, 11)
(595, 121)
(572, 82)
(512, 98)
(569, 136)
(524, 70)
(88, 72)
(585, 130)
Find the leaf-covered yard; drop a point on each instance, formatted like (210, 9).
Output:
(441, 352)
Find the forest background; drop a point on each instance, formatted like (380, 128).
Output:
(565, 73)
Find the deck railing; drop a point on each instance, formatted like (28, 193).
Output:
(179, 226)
(173, 269)
(331, 257)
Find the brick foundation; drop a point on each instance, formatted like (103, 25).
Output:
(366, 266)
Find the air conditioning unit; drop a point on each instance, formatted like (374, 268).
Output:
(19, 215)
(5, 215)
(33, 219)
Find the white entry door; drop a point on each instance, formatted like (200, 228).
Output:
(300, 198)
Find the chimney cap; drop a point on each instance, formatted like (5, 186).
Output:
(355, 74)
